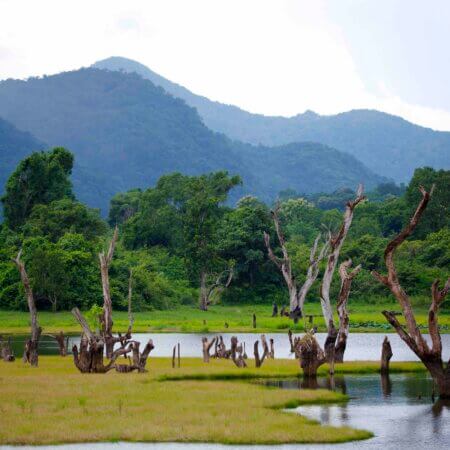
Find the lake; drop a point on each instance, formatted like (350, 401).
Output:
(360, 346)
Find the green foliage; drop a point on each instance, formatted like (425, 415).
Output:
(39, 179)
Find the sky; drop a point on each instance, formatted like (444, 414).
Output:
(274, 57)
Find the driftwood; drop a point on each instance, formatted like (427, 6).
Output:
(296, 296)
(260, 359)
(207, 347)
(431, 356)
(335, 243)
(219, 283)
(6, 351)
(31, 351)
(386, 355)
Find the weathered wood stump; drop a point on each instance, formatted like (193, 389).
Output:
(6, 351)
(386, 355)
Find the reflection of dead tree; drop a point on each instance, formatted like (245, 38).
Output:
(296, 296)
(386, 355)
(31, 352)
(6, 351)
(259, 360)
(410, 333)
(335, 242)
(208, 289)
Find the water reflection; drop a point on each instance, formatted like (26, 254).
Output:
(398, 409)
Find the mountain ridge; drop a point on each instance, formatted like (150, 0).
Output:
(387, 144)
(126, 132)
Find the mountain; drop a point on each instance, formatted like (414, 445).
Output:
(14, 146)
(126, 132)
(387, 144)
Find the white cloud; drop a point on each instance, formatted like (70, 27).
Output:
(273, 57)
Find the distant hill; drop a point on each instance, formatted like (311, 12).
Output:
(126, 132)
(14, 146)
(387, 144)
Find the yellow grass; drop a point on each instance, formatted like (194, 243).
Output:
(56, 404)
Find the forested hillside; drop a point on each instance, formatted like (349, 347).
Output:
(388, 145)
(125, 132)
(179, 237)
(14, 145)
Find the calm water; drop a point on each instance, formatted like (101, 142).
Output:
(398, 410)
(360, 346)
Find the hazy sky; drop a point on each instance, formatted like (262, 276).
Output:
(277, 57)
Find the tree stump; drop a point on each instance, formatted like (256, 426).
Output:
(386, 355)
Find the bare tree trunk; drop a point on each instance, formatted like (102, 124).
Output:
(31, 354)
(259, 360)
(330, 342)
(272, 349)
(336, 242)
(207, 347)
(254, 320)
(107, 321)
(296, 297)
(411, 334)
(203, 292)
(344, 322)
(61, 341)
(386, 355)
(274, 310)
(291, 341)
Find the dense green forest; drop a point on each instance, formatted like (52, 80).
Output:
(388, 145)
(125, 132)
(183, 227)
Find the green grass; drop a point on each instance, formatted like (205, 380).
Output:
(188, 319)
(54, 403)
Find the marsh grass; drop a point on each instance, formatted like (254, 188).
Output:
(188, 319)
(54, 403)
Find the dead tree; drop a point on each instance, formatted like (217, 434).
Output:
(291, 342)
(335, 242)
(62, 342)
(236, 353)
(209, 290)
(207, 347)
(6, 350)
(272, 349)
(297, 295)
(431, 356)
(106, 318)
(259, 360)
(31, 351)
(386, 355)
(309, 353)
(344, 321)
(274, 310)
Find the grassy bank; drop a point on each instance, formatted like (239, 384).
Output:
(188, 319)
(56, 404)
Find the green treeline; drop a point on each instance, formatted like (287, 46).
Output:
(182, 230)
